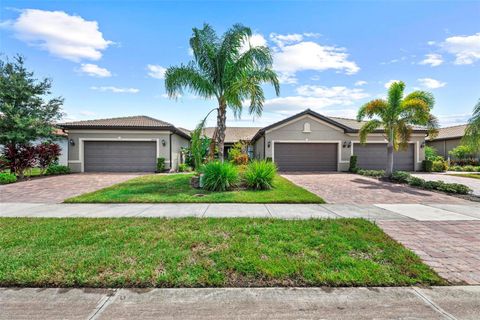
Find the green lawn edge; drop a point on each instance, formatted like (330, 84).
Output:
(204, 252)
(466, 175)
(175, 188)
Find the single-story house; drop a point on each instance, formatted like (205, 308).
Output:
(309, 141)
(447, 139)
(233, 135)
(127, 144)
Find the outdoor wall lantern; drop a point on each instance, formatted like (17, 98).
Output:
(164, 143)
(349, 144)
(268, 144)
(422, 145)
(72, 142)
(344, 144)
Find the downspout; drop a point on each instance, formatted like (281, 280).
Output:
(264, 148)
(170, 146)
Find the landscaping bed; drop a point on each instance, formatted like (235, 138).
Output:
(192, 252)
(175, 188)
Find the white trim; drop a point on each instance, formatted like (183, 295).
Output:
(338, 142)
(74, 161)
(77, 131)
(81, 146)
(303, 117)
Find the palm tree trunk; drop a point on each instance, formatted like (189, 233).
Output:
(221, 126)
(389, 170)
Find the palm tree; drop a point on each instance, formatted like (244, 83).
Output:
(227, 69)
(397, 115)
(472, 132)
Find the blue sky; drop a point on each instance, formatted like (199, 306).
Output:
(106, 58)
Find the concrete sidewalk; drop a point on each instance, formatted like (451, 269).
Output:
(395, 212)
(242, 303)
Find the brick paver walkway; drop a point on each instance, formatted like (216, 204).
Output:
(451, 248)
(355, 189)
(58, 188)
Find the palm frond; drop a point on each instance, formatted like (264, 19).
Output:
(403, 132)
(368, 128)
(187, 76)
(204, 44)
(472, 132)
(373, 108)
(395, 96)
(425, 96)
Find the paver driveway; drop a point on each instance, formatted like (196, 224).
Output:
(356, 189)
(451, 248)
(58, 188)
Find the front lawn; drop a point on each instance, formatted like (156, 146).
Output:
(466, 175)
(192, 252)
(176, 188)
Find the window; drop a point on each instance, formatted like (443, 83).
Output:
(306, 127)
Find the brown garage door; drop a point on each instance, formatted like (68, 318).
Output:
(306, 156)
(373, 156)
(120, 156)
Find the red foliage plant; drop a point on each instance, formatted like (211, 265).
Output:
(47, 154)
(19, 158)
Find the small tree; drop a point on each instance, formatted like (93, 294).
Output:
(47, 154)
(19, 158)
(472, 132)
(25, 113)
(462, 152)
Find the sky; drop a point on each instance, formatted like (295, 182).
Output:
(108, 58)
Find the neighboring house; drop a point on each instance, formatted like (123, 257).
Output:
(233, 135)
(127, 144)
(309, 141)
(448, 138)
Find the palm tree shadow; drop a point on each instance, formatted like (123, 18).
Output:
(390, 186)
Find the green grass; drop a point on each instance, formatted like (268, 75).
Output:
(193, 252)
(466, 175)
(176, 188)
(32, 172)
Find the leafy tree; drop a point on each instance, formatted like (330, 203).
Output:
(225, 68)
(462, 152)
(396, 116)
(472, 132)
(25, 113)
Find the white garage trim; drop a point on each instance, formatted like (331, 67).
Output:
(339, 148)
(82, 147)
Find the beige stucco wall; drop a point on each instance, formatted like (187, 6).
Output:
(258, 148)
(324, 132)
(75, 152)
(177, 143)
(444, 146)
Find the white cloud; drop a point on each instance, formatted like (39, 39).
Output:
(156, 71)
(431, 83)
(283, 39)
(115, 89)
(287, 77)
(432, 59)
(87, 113)
(431, 43)
(360, 83)
(465, 48)
(453, 119)
(94, 70)
(256, 40)
(307, 55)
(389, 83)
(316, 98)
(66, 36)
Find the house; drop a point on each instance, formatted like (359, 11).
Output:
(233, 135)
(127, 144)
(309, 141)
(447, 139)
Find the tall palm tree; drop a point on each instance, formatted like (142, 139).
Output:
(227, 69)
(472, 132)
(397, 115)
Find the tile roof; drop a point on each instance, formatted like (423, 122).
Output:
(450, 132)
(123, 122)
(234, 134)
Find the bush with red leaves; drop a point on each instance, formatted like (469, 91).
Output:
(19, 158)
(47, 154)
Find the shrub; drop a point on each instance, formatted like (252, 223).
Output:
(455, 168)
(462, 152)
(19, 158)
(416, 182)
(183, 167)
(371, 173)
(218, 176)
(427, 165)
(465, 162)
(439, 166)
(55, 169)
(260, 174)
(6, 177)
(469, 168)
(160, 164)
(431, 154)
(455, 188)
(238, 153)
(47, 154)
(401, 176)
(353, 164)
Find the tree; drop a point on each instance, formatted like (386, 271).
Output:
(472, 132)
(396, 117)
(227, 69)
(25, 114)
